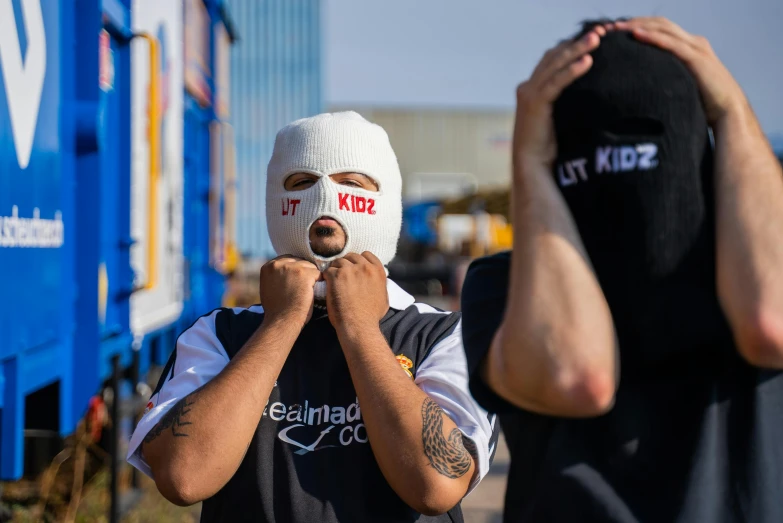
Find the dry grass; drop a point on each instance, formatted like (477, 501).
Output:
(153, 507)
(94, 507)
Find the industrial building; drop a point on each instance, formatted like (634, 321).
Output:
(446, 153)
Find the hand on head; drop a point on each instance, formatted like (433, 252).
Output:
(534, 137)
(720, 92)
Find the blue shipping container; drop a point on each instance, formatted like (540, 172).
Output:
(71, 301)
(57, 230)
(36, 215)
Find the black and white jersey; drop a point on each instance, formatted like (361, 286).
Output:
(310, 460)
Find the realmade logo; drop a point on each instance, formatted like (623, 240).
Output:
(23, 76)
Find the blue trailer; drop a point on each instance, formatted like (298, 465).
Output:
(112, 203)
(49, 151)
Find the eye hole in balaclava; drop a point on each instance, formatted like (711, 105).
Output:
(634, 166)
(301, 181)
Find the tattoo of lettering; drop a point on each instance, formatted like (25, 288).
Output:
(450, 457)
(173, 419)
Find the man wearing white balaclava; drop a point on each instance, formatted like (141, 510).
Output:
(339, 398)
(325, 145)
(330, 144)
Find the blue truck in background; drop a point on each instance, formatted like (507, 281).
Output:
(115, 198)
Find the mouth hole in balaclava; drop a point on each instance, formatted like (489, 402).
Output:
(324, 232)
(325, 252)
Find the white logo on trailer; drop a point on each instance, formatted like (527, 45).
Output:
(23, 78)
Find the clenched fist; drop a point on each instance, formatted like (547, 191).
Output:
(356, 296)
(286, 288)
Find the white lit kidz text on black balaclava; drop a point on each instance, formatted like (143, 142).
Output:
(329, 144)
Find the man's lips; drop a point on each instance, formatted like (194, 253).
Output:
(325, 222)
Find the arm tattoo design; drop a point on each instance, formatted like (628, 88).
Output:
(450, 457)
(174, 419)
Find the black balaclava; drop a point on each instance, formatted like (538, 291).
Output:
(635, 167)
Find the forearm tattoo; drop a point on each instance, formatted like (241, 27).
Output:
(173, 419)
(451, 457)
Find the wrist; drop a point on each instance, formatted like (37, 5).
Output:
(531, 164)
(288, 319)
(350, 333)
(736, 113)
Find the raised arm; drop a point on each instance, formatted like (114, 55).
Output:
(200, 442)
(749, 198)
(424, 457)
(555, 351)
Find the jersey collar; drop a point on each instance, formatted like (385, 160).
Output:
(398, 298)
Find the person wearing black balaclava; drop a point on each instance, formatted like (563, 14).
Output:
(632, 341)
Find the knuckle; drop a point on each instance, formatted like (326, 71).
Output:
(569, 53)
(572, 70)
(525, 93)
(550, 92)
(703, 43)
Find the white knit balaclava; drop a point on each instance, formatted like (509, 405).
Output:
(329, 144)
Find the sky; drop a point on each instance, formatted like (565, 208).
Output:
(473, 53)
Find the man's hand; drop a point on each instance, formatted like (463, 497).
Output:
(748, 197)
(356, 295)
(286, 288)
(721, 94)
(534, 134)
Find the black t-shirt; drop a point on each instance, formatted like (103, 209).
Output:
(683, 443)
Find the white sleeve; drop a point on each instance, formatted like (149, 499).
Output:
(443, 375)
(199, 356)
